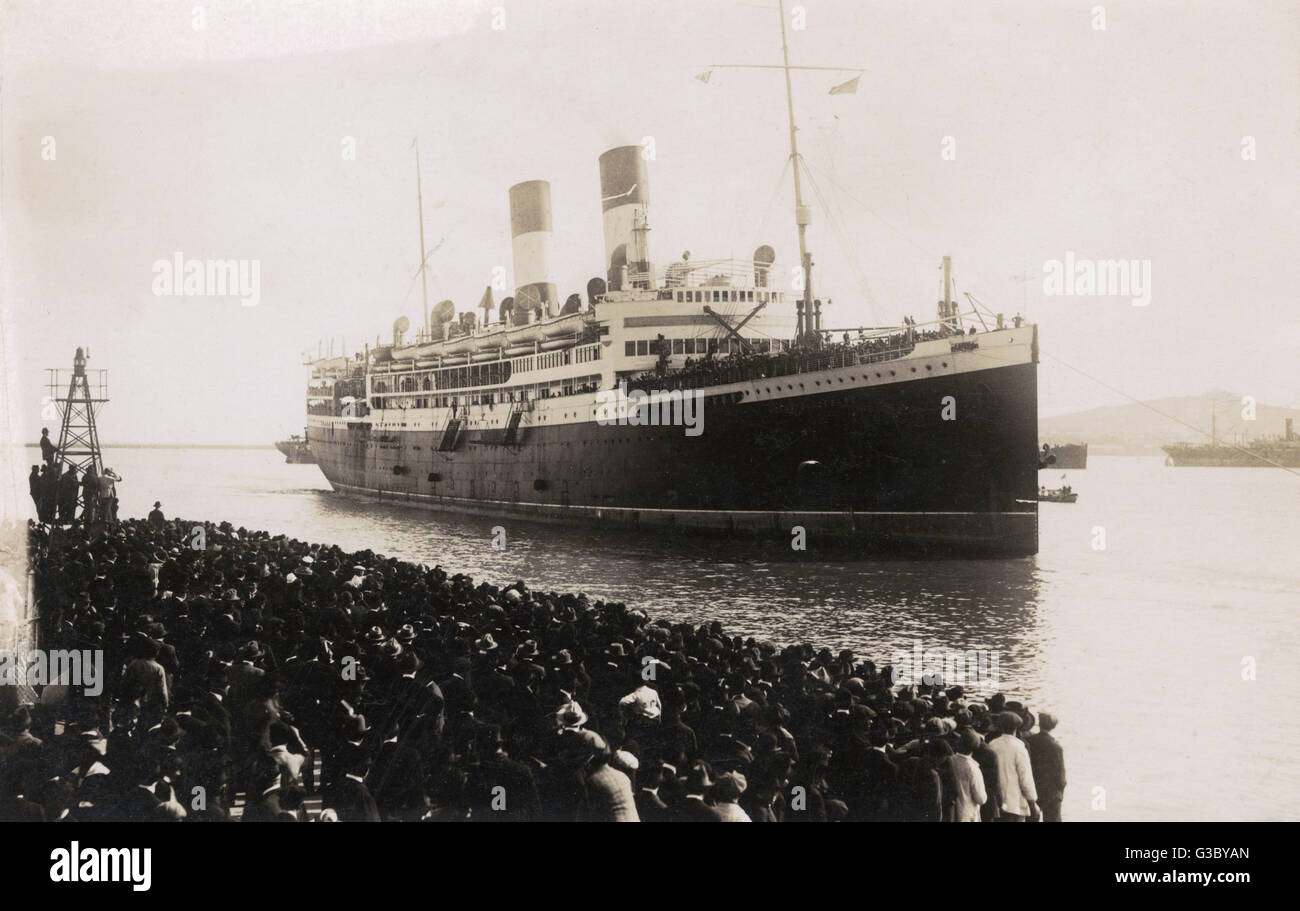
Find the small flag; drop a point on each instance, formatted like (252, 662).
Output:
(485, 302)
(847, 88)
(705, 76)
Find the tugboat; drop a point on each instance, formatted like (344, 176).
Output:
(1057, 495)
(296, 451)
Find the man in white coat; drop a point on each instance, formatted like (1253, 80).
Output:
(1014, 772)
(968, 781)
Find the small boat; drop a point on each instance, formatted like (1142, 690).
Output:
(1057, 495)
(296, 451)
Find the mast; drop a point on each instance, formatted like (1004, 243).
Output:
(803, 308)
(806, 320)
(946, 313)
(419, 199)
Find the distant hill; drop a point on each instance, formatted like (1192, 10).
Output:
(1138, 430)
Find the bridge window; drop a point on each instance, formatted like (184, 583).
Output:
(678, 346)
(642, 347)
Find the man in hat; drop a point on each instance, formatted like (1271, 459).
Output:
(397, 777)
(650, 807)
(34, 485)
(966, 778)
(1015, 776)
(609, 796)
(48, 449)
(694, 806)
(67, 497)
(726, 793)
(90, 495)
(156, 517)
(499, 788)
(1047, 760)
(144, 680)
(349, 797)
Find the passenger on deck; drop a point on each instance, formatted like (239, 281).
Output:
(156, 517)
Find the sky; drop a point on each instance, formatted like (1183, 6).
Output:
(1003, 134)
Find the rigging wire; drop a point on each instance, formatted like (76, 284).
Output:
(840, 231)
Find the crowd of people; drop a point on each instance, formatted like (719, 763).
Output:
(738, 366)
(251, 675)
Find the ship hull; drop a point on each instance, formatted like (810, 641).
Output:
(884, 468)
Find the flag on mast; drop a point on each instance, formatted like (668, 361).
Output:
(846, 88)
(705, 76)
(485, 303)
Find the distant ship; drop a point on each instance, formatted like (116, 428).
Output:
(1267, 453)
(296, 451)
(1065, 456)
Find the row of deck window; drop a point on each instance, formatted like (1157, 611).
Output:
(723, 295)
(701, 346)
(490, 373)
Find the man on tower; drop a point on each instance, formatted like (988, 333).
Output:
(48, 449)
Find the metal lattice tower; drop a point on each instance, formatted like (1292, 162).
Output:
(78, 438)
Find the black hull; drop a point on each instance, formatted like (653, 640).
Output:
(873, 469)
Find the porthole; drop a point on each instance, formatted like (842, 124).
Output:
(929, 366)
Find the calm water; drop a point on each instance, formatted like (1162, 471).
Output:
(1138, 648)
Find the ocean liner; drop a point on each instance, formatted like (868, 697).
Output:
(700, 397)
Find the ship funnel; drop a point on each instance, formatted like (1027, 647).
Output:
(625, 199)
(530, 236)
(400, 325)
